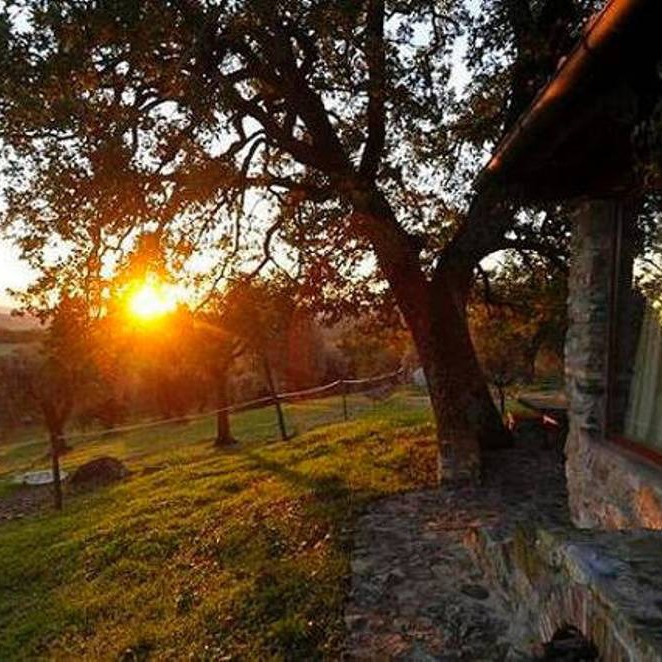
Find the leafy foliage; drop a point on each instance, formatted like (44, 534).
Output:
(523, 312)
(172, 113)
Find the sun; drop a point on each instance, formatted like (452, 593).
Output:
(150, 299)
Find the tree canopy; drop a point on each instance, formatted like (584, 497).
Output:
(323, 136)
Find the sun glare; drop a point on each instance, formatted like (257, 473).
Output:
(151, 299)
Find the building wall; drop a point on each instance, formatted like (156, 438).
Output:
(608, 486)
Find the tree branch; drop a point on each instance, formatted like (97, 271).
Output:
(550, 253)
(376, 59)
(302, 100)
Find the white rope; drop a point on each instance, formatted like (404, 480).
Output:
(310, 391)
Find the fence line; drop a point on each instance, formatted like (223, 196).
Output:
(257, 403)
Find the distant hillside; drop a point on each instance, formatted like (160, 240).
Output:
(11, 323)
(18, 333)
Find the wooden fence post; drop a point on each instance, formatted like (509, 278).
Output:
(343, 384)
(56, 443)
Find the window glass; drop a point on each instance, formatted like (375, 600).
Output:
(636, 389)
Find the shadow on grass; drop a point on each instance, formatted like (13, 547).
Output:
(329, 486)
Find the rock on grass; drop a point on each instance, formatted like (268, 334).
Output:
(100, 471)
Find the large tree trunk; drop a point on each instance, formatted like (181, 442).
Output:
(467, 420)
(223, 433)
(466, 417)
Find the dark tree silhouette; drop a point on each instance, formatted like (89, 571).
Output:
(56, 379)
(342, 115)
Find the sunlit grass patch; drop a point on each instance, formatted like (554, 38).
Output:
(206, 553)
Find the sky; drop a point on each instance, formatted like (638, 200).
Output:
(16, 274)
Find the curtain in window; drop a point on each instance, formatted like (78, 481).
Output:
(643, 421)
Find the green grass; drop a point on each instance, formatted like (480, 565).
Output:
(206, 554)
(27, 447)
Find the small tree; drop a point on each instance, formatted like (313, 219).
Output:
(217, 350)
(56, 378)
(373, 345)
(260, 311)
(499, 338)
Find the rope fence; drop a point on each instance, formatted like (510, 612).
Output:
(343, 387)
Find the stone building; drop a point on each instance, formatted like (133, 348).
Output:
(613, 371)
(575, 143)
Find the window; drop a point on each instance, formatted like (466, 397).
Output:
(634, 416)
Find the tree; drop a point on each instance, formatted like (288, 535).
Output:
(218, 349)
(259, 312)
(223, 360)
(55, 380)
(342, 115)
(372, 347)
(520, 311)
(509, 337)
(13, 408)
(518, 304)
(307, 350)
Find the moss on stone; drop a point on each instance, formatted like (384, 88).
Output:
(525, 554)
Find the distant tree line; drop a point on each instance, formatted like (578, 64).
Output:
(194, 363)
(19, 337)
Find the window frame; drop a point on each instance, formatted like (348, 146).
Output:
(618, 438)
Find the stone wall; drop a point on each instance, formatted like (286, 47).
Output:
(605, 584)
(608, 487)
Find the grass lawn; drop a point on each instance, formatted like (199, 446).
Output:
(233, 554)
(26, 448)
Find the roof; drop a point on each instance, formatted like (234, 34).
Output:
(576, 137)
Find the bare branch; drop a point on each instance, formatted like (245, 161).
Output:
(549, 252)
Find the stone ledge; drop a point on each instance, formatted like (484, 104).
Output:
(607, 584)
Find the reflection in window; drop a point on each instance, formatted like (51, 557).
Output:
(643, 419)
(636, 387)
